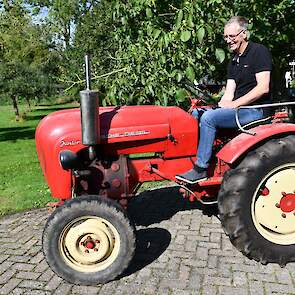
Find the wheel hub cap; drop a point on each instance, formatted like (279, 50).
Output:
(274, 209)
(287, 203)
(89, 244)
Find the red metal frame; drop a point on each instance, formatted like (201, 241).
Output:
(170, 133)
(244, 142)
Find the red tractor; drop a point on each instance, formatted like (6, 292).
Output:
(94, 160)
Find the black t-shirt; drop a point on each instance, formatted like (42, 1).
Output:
(256, 58)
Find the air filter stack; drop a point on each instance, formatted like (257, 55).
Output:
(89, 112)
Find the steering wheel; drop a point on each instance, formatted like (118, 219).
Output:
(206, 100)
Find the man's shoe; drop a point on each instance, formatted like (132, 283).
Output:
(193, 176)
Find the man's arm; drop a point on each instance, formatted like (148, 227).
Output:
(229, 90)
(262, 87)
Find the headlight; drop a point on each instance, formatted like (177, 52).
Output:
(69, 160)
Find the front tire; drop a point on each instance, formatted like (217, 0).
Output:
(257, 203)
(89, 240)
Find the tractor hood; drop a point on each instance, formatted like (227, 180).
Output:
(126, 130)
(117, 124)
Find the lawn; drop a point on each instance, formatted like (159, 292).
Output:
(22, 185)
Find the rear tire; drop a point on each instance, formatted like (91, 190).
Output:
(89, 240)
(251, 202)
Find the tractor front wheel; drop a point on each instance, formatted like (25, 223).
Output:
(257, 203)
(88, 240)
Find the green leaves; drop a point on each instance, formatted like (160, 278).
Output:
(156, 33)
(179, 18)
(181, 95)
(185, 36)
(190, 73)
(160, 42)
(220, 54)
(149, 12)
(200, 34)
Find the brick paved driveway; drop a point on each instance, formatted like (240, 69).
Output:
(181, 250)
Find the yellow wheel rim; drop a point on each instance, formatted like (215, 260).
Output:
(89, 244)
(273, 223)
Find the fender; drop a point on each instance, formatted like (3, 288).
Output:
(243, 142)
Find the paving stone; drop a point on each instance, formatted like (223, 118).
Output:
(31, 284)
(42, 266)
(5, 266)
(3, 258)
(17, 291)
(279, 288)
(37, 258)
(85, 290)
(18, 258)
(198, 259)
(202, 253)
(28, 275)
(209, 290)
(217, 281)
(23, 266)
(46, 276)
(212, 261)
(232, 291)
(9, 286)
(37, 292)
(256, 288)
(6, 276)
(284, 277)
(240, 279)
(262, 277)
(63, 289)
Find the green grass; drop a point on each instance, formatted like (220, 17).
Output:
(22, 185)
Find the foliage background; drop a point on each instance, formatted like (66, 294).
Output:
(141, 49)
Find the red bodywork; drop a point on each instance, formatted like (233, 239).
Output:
(127, 135)
(124, 131)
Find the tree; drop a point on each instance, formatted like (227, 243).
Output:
(155, 44)
(25, 55)
(143, 49)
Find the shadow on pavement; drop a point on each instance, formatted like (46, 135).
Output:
(151, 207)
(150, 244)
(154, 206)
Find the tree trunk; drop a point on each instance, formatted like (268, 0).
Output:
(15, 107)
(28, 102)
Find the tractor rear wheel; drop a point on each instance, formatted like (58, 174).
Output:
(88, 240)
(257, 203)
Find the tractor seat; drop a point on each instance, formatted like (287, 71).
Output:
(264, 121)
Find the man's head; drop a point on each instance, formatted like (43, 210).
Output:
(235, 33)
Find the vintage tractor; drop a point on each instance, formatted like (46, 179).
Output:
(95, 158)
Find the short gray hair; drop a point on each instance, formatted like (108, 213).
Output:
(240, 20)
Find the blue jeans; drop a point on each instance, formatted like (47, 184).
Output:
(211, 119)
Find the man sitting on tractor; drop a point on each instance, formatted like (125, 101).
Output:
(248, 83)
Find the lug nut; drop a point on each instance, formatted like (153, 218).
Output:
(115, 167)
(283, 215)
(284, 194)
(116, 183)
(97, 241)
(88, 238)
(278, 205)
(86, 251)
(95, 249)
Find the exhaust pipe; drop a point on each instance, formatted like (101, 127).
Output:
(89, 113)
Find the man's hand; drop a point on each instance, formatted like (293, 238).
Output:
(228, 104)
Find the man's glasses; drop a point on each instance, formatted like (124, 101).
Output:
(232, 37)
